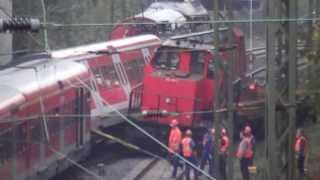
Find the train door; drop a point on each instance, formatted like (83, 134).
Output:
(121, 73)
(80, 111)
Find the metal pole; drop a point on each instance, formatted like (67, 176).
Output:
(112, 11)
(270, 90)
(230, 162)
(216, 119)
(124, 10)
(230, 114)
(292, 86)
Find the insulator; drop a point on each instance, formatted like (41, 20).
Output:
(19, 24)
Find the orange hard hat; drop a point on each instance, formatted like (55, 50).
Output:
(174, 123)
(247, 130)
(188, 132)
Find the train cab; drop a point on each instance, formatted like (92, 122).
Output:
(177, 83)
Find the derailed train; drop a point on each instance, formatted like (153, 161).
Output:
(46, 103)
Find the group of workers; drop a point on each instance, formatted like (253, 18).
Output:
(186, 146)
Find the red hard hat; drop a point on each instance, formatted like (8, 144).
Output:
(188, 132)
(174, 123)
(247, 130)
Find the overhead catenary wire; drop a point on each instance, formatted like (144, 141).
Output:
(264, 20)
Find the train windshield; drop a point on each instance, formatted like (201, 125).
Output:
(197, 62)
(167, 59)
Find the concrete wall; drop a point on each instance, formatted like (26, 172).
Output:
(5, 39)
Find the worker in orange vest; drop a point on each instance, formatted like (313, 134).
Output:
(300, 150)
(174, 145)
(245, 152)
(188, 152)
(223, 153)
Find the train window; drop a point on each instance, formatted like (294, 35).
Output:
(6, 146)
(173, 60)
(53, 121)
(109, 75)
(197, 62)
(35, 128)
(166, 58)
(21, 136)
(161, 59)
(211, 70)
(134, 71)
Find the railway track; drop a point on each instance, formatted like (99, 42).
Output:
(149, 166)
(152, 167)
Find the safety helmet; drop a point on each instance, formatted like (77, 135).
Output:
(247, 130)
(299, 132)
(223, 131)
(213, 130)
(174, 123)
(188, 132)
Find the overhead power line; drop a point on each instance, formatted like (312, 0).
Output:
(264, 20)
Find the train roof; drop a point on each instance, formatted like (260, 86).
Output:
(187, 8)
(173, 12)
(163, 15)
(35, 78)
(118, 45)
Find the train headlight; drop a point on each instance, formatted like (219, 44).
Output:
(168, 100)
(144, 112)
(164, 112)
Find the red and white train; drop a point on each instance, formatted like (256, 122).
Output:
(43, 110)
(117, 68)
(46, 104)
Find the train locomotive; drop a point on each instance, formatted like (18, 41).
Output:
(179, 83)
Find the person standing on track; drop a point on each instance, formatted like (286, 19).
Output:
(223, 153)
(188, 152)
(174, 143)
(207, 152)
(300, 150)
(245, 153)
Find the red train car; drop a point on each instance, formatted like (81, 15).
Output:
(117, 68)
(41, 115)
(164, 19)
(179, 82)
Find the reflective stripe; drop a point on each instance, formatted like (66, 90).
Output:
(174, 139)
(298, 145)
(186, 147)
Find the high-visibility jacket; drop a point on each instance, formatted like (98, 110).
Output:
(300, 145)
(187, 147)
(174, 140)
(224, 144)
(245, 149)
